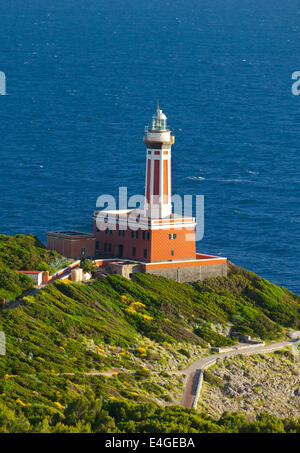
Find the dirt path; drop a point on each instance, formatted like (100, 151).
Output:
(194, 371)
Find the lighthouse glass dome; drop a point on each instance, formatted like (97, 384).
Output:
(159, 121)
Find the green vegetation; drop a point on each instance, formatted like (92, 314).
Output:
(88, 266)
(212, 337)
(25, 252)
(212, 379)
(86, 415)
(252, 304)
(12, 284)
(59, 262)
(95, 357)
(22, 252)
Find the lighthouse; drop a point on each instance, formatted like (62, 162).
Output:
(158, 141)
(151, 238)
(160, 234)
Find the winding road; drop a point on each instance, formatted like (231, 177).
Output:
(194, 373)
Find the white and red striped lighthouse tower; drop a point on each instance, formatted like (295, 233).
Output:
(158, 140)
(155, 233)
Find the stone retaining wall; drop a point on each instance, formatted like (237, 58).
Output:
(191, 273)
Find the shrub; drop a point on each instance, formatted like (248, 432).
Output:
(142, 373)
(212, 379)
(88, 266)
(184, 352)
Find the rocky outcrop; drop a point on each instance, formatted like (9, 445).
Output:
(253, 384)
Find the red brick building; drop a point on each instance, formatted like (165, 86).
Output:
(72, 244)
(147, 240)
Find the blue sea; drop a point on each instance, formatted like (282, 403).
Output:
(83, 78)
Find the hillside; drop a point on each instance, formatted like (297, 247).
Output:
(23, 252)
(86, 357)
(251, 384)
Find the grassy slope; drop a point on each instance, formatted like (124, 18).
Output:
(21, 252)
(151, 322)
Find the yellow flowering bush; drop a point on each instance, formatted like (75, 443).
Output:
(99, 349)
(131, 310)
(21, 403)
(137, 305)
(60, 406)
(125, 299)
(147, 317)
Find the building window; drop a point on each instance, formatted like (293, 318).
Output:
(135, 234)
(108, 231)
(106, 219)
(145, 253)
(122, 233)
(107, 247)
(97, 245)
(172, 252)
(146, 235)
(133, 251)
(172, 236)
(82, 251)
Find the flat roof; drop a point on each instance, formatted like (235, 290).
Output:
(69, 233)
(72, 233)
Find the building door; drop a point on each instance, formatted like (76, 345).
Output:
(120, 254)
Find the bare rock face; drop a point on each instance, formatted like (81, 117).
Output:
(254, 384)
